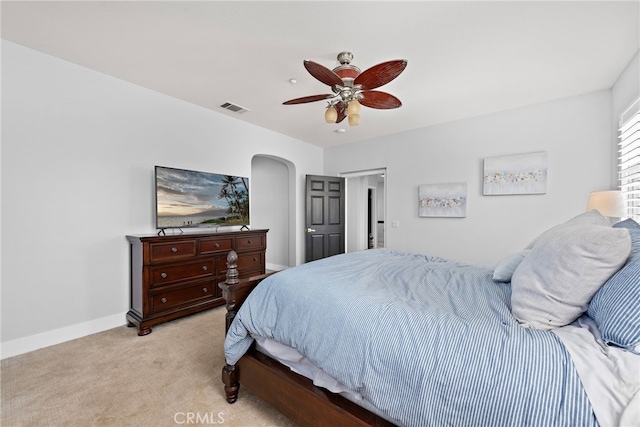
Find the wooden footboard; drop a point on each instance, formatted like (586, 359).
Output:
(293, 395)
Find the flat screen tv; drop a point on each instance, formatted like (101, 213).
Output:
(186, 199)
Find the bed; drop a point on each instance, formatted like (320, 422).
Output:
(549, 336)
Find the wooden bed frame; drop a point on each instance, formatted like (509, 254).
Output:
(291, 394)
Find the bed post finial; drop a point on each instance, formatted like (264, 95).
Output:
(232, 268)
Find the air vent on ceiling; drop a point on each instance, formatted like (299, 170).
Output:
(235, 108)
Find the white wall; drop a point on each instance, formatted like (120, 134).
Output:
(575, 133)
(78, 150)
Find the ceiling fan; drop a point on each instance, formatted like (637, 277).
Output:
(352, 88)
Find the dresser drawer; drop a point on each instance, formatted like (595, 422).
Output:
(172, 250)
(250, 242)
(208, 246)
(246, 262)
(165, 274)
(183, 295)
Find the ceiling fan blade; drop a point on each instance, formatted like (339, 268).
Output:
(305, 99)
(380, 74)
(323, 74)
(379, 100)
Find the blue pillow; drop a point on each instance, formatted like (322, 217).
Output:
(616, 306)
(627, 223)
(634, 231)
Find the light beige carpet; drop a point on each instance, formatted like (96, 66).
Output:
(116, 378)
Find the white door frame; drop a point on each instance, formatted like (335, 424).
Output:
(358, 220)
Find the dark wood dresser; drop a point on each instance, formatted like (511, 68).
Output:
(177, 275)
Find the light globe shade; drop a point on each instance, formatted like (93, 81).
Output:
(353, 107)
(608, 203)
(330, 115)
(354, 119)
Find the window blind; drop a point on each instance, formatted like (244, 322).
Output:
(629, 159)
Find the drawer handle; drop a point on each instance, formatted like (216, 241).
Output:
(205, 290)
(174, 250)
(217, 245)
(163, 300)
(255, 258)
(204, 268)
(163, 275)
(249, 242)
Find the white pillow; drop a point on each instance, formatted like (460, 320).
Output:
(506, 266)
(568, 263)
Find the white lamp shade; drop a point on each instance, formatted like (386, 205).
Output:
(608, 203)
(354, 119)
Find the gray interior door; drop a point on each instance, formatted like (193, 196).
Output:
(325, 213)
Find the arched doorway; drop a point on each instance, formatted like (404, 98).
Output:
(273, 206)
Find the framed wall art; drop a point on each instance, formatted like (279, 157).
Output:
(517, 174)
(443, 200)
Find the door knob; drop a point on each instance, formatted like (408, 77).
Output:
(310, 230)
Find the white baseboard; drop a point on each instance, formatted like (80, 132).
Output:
(275, 267)
(57, 336)
(68, 333)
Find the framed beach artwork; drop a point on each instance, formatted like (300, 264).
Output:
(443, 200)
(517, 174)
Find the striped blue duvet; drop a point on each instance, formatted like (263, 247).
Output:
(428, 341)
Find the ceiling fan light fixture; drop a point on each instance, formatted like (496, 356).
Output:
(353, 107)
(350, 86)
(330, 114)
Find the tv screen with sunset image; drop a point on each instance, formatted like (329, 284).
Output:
(187, 198)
